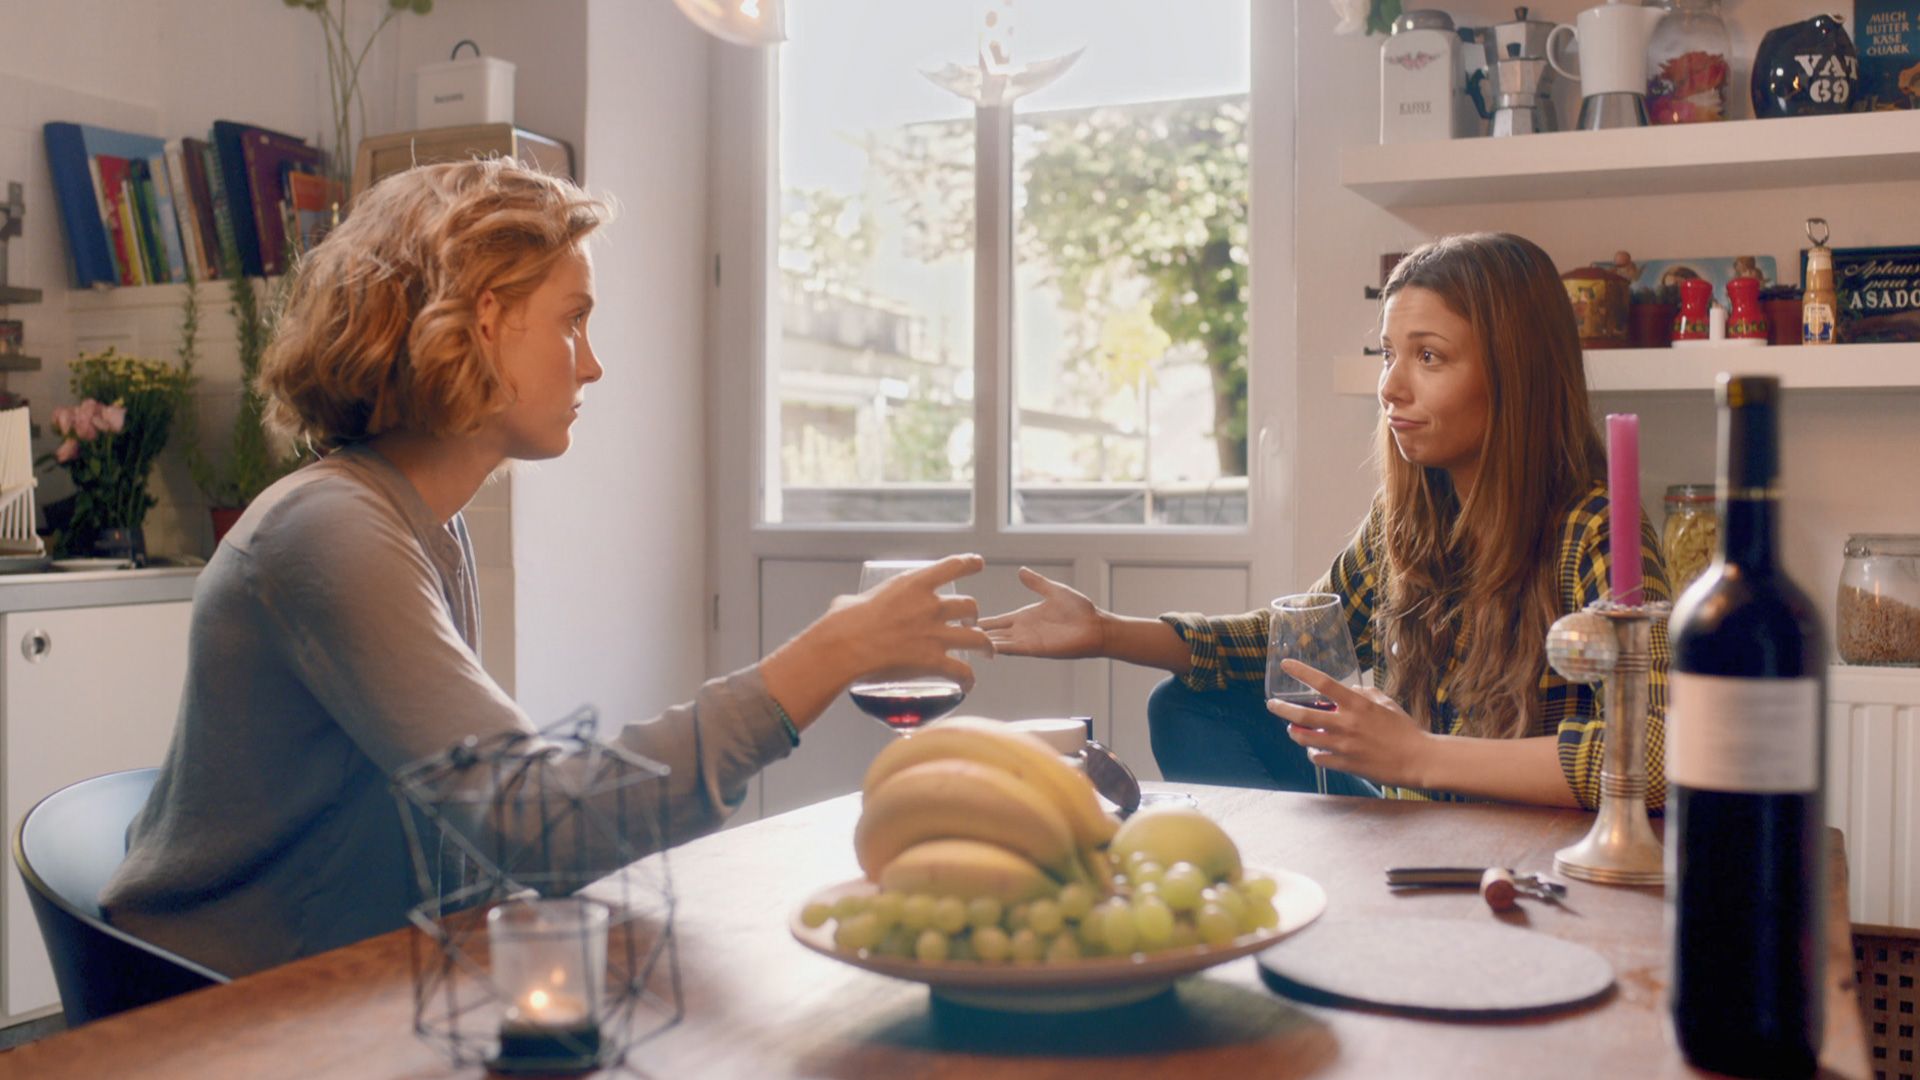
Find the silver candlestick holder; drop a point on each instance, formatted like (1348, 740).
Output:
(1612, 643)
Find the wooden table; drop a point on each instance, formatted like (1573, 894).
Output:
(758, 1004)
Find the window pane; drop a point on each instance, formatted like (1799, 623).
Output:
(874, 364)
(1130, 350)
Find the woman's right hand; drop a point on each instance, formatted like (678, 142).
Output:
(904, 627)
(1062, 625)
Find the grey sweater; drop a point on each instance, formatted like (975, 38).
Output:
(335, 636)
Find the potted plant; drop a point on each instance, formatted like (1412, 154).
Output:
(343, 70)
(252, 460)
(109, 441)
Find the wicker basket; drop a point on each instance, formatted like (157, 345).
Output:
(1886, 961)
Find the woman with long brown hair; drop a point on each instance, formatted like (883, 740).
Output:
(1491, 521)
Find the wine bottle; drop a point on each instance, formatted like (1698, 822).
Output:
(1745, 767)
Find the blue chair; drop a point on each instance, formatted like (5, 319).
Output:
(67, 847)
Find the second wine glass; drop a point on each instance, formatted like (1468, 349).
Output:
(907, 703)
(1310, 628)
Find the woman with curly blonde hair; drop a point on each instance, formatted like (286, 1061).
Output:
(438, 334)
(1491, 521)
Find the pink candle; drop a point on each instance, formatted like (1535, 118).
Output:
(1623, 498)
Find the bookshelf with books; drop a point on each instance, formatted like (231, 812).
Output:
(138, 209)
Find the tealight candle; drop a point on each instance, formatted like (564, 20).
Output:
(549, 964)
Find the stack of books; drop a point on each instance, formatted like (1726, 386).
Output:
(140, 210)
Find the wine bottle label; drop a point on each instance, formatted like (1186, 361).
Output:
(1743, 735)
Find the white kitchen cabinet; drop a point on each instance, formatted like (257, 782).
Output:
(86, 690)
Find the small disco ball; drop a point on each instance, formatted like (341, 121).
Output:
(1583, 646)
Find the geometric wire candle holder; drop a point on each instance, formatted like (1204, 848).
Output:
(511, 969)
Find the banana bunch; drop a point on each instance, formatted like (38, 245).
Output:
(970, 807)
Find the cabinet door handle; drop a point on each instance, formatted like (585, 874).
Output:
(36, 645)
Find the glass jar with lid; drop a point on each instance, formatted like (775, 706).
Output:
(1690, 533)
(1878, 613)
(1687, 68)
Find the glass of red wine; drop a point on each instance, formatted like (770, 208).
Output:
(904, 704)
(1310, 628)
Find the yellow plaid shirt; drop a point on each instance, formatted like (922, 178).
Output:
(1233, 648)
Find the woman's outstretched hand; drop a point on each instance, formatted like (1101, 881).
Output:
(900, 628)
(1367, 734)
(1063, 624)
(904, 627)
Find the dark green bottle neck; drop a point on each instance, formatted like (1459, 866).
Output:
(1747, 537)
(1749, 471)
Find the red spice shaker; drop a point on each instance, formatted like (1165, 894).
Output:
(1691, 323)
(1745, 317)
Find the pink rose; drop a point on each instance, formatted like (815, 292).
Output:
(63, 420)
(67, 452)
(86, 420)
(113, 419)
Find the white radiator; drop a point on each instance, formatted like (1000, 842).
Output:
(1873, 788)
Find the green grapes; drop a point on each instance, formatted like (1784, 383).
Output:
(1184, 936)
(1265, 915)
(916, 913)
(1154, 920)
(1044, 916)
(860, 932)
(930, 947)
(1158, 909)
(1090, 931)
(949, 915)
(1228, 897)
(983, 911)
(1076, 900)
(1181, 886)
(1216, 924)
(991, 944)
(897, 942)
(1117, 928)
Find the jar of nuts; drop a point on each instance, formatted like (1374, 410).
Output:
(1878, 612)
(1690, 533)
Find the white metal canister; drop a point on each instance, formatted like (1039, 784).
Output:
(1421, 84)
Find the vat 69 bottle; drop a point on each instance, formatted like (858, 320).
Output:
(1745, 768)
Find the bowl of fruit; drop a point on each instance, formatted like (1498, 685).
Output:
(992, 874)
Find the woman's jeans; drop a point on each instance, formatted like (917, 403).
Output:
(1228, 737)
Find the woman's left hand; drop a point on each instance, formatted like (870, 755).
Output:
(1367, 734)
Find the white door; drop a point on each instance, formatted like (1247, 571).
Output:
(88, 691)
(929, 335)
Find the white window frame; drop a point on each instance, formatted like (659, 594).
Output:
(743, 316)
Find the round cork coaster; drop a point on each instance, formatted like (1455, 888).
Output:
(1448, 968)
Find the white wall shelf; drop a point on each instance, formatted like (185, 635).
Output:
(1832, 367)
(1738, 155)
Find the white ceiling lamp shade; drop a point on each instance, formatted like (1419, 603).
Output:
(741, 22)
(997, 76)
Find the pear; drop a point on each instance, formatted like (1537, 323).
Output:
(1172, 834)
